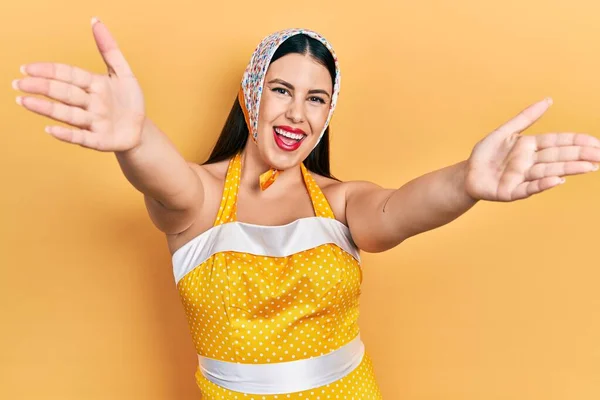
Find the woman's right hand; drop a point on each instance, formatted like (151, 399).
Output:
(105, 112)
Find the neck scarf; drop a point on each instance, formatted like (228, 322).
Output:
(253, 80)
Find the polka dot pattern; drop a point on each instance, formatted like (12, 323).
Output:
(258, 309)
(320, 204)
(228, 208)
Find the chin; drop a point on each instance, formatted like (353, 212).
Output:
(282, 160)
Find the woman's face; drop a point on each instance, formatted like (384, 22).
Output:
(293, 109)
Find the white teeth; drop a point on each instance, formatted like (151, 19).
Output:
(287, 134)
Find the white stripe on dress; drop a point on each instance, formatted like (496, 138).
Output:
(284, 377)
(262, 240)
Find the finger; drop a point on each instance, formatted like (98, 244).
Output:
(60, 72)
(81, 137)
(56, 90)
(567, 153)
(547, 140)
(525, 118)
(109, 50)
(539, 171)
(59, 112)
(529, 188)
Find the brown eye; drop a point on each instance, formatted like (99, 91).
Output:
(280, 90)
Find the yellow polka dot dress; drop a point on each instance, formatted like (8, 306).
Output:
(262, 294)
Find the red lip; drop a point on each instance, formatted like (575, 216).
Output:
(283, 146)
(290, 129)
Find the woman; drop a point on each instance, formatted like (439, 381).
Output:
(272, 297)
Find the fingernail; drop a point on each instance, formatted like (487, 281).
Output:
(19, 100)
(47, 129)
(94, 20)
(595, 167)
(23, 69)
(15, 84)
(549, 101)
(562, 180)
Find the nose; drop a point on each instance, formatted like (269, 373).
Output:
(295, 111)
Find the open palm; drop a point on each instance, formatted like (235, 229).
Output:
(105, 112)
(508, 166)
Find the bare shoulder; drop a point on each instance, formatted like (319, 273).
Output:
(213, 180)
(337, 192)
(215, 171)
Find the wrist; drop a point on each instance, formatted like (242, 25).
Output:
(146, 131)
(463, 183)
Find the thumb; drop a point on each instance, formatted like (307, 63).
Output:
(109, 50)
(524, 119)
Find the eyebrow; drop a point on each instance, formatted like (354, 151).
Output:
(291, 87)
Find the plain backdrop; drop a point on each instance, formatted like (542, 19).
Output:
(501, 304)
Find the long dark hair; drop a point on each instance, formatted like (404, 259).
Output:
(234, 135)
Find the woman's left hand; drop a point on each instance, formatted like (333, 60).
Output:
(507, 166)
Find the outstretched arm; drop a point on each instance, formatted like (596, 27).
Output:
(107, 113)
(504, 166)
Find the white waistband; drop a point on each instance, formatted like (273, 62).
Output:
(284, 377)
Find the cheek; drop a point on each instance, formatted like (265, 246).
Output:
(270, 108)
(317, 119)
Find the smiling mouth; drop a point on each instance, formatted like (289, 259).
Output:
(289, 138)
(286, 140)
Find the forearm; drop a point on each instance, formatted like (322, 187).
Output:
(159, 171)
(427, 202)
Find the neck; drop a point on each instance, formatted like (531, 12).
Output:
(254, 165)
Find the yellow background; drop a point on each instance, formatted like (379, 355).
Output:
(501, 304)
